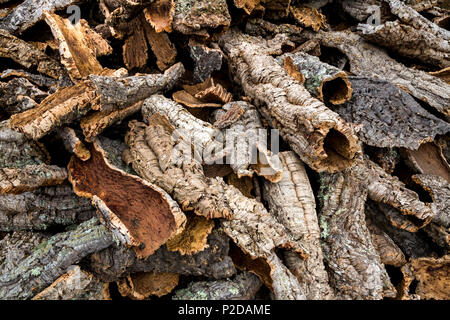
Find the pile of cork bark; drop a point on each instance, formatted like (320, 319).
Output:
(100, 99)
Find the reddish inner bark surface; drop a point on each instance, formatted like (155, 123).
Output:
(141, 209)
(429, 159)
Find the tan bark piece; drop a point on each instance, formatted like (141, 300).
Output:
(309, 17)
(141, 286)
(160, 15)
(72, 143)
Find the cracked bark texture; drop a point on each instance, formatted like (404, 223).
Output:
(206, 60)
(242, 287)
(18, 95)
(213, 262)
(37, 79)
(354, 267)
(389, 117)
(367, 60)
(291, 201)
(42, 209)
(24, 276)
(263, 28)
(76, 284)
(322, 80)
(309, 17)
(318, 135)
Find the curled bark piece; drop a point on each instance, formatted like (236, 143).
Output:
(25, 277)
(95, 123)
(18, 95)
(77, 55)
(243, 286)
(140, 214)
(309, 17)
(140, 286)
(292, 203)
(209, 91)
(72, 143)
(389, 252)
(390, 191)
(121, 92)
(369, 61)
(213, 262)
(432, 275)
(389, 117)
(63, 107)
(443, 74)
(42, 209)
(243, 132)
(27, 55)
(324, 81)
(428, 159)
(188, 100)
(29, 12)
(76, 284)
(30, 177)
(318, 135)
(206, 60)
(412, 36)
(194, 237)
(247, 5)
(196, 17)
(355, 269)
(160, 15)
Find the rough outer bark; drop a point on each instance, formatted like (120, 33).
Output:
(247, 5)
(276, 9)
(43, 208)
(37, 79)
(263, 28)
(30, 177)
(240, 123)
(390, 191)
(322, 80)
(24, 276)
(140, 286)
(317, 134)
(428, 159)
(163, 49)
(355, 269)
(389, 117)
(199, 17)
(369, 61)
(135, 50)
(121, 92)
(389, 252)
(432, 275)
(76, 284)
(206, 60)
(213, 262)
(76, 51)
(29, 12)
(18, 95)
(205, 94)
(242, 287)
(72, 143)
(309, 17)
(292, 203)
(95, 123)
(193, 238)
(412, 36)
(27, 55)
(63, 107)
(443, 74)
(412, 244)
(160, 15)
(140, 214)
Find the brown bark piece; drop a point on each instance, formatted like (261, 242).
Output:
(135, 51)
(37, 79)
(160, 15)
(260, 27)
(309, 17)
(140, 286)
(190, 101)
(72, 143)
(325, 145)
(76, 284)
(443, 74)
(292, 203)
(247, 5)
(163, 49)
(27, 55)
(209, 91)
(193, 238)
(141, 215)
(18, 95)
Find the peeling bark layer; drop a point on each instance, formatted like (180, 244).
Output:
(318, 135)
(160, 15)
(309, 17)
(140, 286)
(72, 143)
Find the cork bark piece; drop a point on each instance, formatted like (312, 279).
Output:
(247, 5)
(244, 286)
(76, 284)
(18, 95)
(367, 60)
(143, 285)
(328, 144)
(24, 275)
(27, 55)
(43, 208)
(355, 268)
(325, 82)
(292, 203)
(309, 17)
(213, 262)
(37, 79)
(72, 143)
(161, 46)
(160, 15)
(209, 91)
(389, 117)
(206, 60)
(264, 28)
(135, 50)
(443, 74)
